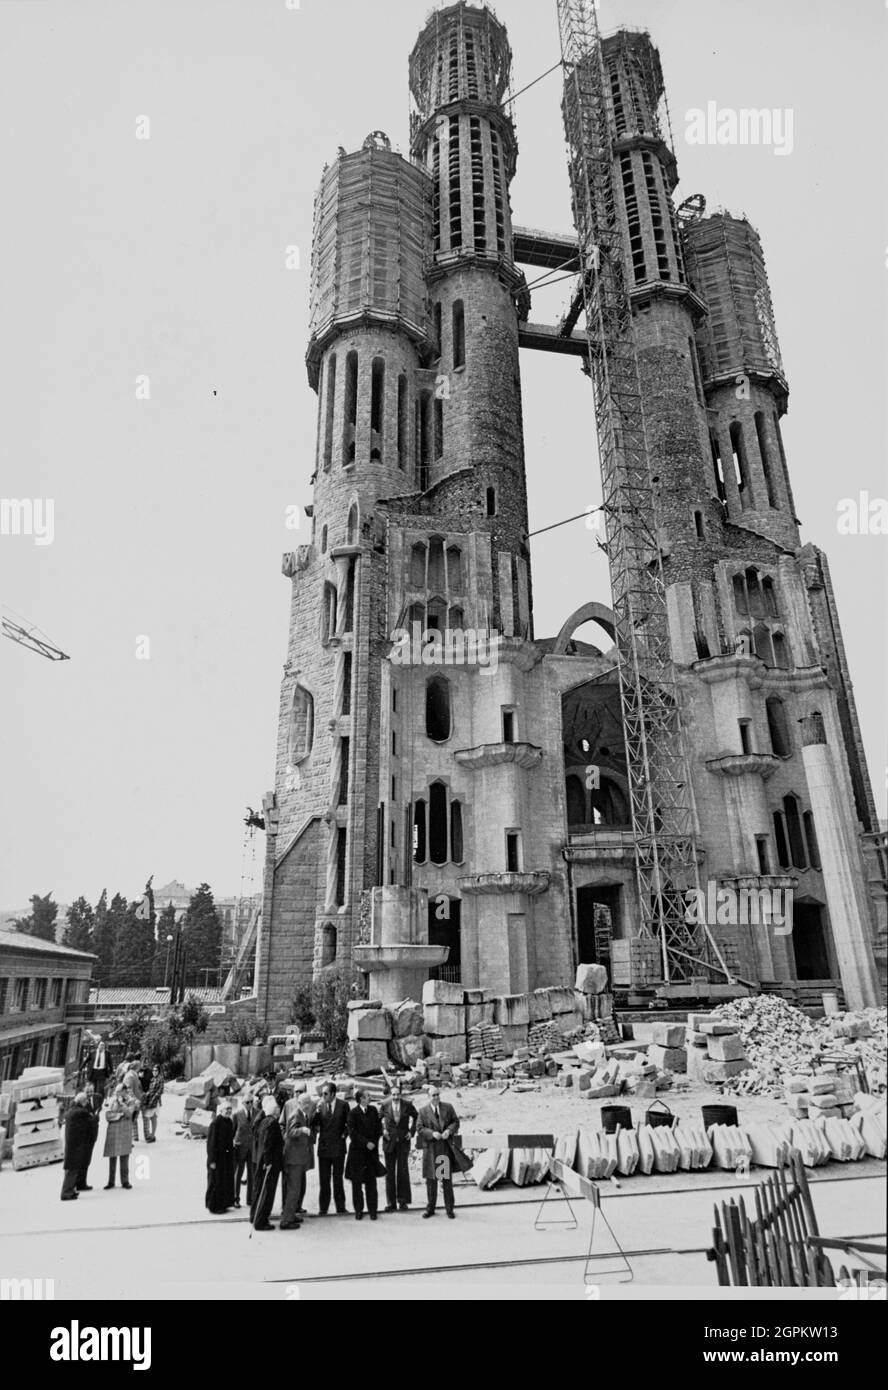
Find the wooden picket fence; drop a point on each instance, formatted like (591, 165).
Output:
(780, 1247)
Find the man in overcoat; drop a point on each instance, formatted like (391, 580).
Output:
(331, 1126)
(438, 1126)
(268, 1156)
(80, 1137)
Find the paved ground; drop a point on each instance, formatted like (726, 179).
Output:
(158, 1241)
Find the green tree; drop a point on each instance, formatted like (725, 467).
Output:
(109, 921)
(203, 936)
(42, 918)
(133, 950)
(80, 921)
(163, 949)
(129, 1029)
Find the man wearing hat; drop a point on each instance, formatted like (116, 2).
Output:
(438, 1124)
(399, 1121)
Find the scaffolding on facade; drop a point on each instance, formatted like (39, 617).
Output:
(659, 779)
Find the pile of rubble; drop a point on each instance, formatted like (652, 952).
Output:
(780, 1041)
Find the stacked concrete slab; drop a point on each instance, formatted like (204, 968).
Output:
(37, 1138)
(715, 1049)
(444, 1020)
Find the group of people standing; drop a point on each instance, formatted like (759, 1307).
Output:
(262, 1141)
(137, 1089)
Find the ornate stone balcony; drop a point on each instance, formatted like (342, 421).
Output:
(532, 882)
(496, 754)
(744, 764)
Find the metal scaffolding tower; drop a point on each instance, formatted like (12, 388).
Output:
(659, 779)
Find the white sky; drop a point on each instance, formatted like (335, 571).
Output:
(166, 257)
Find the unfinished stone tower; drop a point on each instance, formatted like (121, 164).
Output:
(451, 793)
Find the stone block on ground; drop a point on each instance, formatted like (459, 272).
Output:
(561, 999)
(364, 1004)
(442, 992)
(713, 1072)
(715, 1028)
(591, 979)
(478, 996)
(541, 1008)
(514, 1035)
(479, 1013)
(363, 1057)
(369, 1025)
(407, 1019)
(511, 1009)
(407, 1051)
(668, 1058)
(444, 1020)
(726, 1048)
(451, 1050)
(567, 1022)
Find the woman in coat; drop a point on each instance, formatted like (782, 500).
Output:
(220, 1161)
(119, 1113)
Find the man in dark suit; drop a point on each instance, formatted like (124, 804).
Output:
(268, 1161)
(399, 1120)
(80, 1136)
(438, 1124)
(362, 1166)
(330, 1122)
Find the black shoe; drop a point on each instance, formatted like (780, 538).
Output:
(451, 1215)
(323, 1213)
(72, 1197)
(267, 1227)
(405, 1206)
(86, 1188)
(237, 1204)
(359, 1216)
(290, 1225)
(341, 1211)
(108, 1185)
(391, 1208)
(427, 1214)
(373, 1216)
(127, 1185)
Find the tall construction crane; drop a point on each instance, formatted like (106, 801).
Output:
(32, 638)
(659, 777)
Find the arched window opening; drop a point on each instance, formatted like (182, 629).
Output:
(419, 832)
(459, 334)
(402, 421)
(778, 727)
(769, 597)
(780, 837)
(781, 652)
(328, 944)
(738, 450)
(323, 540)
(456, 619)
(418, 566)
(438, 823)
(350, 411)
(351, 531)
(330, 407)
(437, 319)
(439, 428)
(699, 530)
(576, 801)
(811, 840)
(377, 400)
(416, 614)
(329, 612)
(424, 444)
(437, 582)
(456, 833)
(794, 832)
(436, 615)
(741, 602)
(348, 619)
(491, 501)
(764, 450)
(454, 570)
(754, 594)
(301, 735)
(437, 716)
(344, 756)
(717, 470)
(762, 645)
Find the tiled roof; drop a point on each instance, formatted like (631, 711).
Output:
(21, 941)
(144, 994)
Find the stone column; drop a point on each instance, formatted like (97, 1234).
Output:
(840, 859)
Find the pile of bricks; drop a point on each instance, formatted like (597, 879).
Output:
(543, 1038)
(827, 1095)
(486, 1040)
